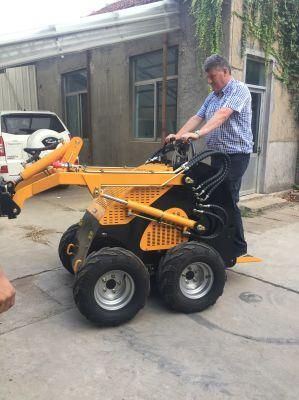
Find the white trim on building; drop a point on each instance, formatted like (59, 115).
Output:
(90, 32)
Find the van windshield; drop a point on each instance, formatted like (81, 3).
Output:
(25, 124)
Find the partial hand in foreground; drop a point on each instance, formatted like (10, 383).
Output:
(7, 293)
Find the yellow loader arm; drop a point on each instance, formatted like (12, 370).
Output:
(59, 168)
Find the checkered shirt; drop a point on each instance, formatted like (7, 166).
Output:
(234, 135)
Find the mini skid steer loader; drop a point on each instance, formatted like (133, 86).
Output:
(168, 222)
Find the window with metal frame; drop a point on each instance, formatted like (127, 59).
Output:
(147, 71)
(75, 102)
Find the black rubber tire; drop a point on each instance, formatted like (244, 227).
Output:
(97, 264)
(170, 269)
(68, 237)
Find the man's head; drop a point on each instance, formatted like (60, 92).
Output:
(218, 71)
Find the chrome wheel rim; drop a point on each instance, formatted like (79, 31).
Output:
(114, 290)
(196, 280)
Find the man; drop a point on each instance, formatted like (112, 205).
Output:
(7, 293)
(227, 115)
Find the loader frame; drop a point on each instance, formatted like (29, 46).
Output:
(140, 191)
(171, 222)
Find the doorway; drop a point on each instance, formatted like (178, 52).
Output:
(256, 82)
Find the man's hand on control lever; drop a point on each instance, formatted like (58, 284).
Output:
(170, 138)
(189, 136)
(187, 131)
(185, 137)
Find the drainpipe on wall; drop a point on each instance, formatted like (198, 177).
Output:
(164, 87)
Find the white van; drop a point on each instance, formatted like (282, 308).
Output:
(26, 129)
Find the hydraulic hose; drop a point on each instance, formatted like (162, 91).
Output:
(216, 207)
(216, 181)
(209, 185)
(216, 232)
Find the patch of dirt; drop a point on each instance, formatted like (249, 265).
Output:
(293, 195)
(37, 234)
(249, 213)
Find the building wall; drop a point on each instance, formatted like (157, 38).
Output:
(18, 89)
(49, 80)
(111, 137)
(49, 74)
(283, 142)
(111, 96)
(278, 165)
(111, 93)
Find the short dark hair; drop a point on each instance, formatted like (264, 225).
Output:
(216, 61)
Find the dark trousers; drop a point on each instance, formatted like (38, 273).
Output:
(239, 164)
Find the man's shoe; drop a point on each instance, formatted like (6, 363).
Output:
(247, 258)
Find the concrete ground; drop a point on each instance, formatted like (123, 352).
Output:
(244, 347)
